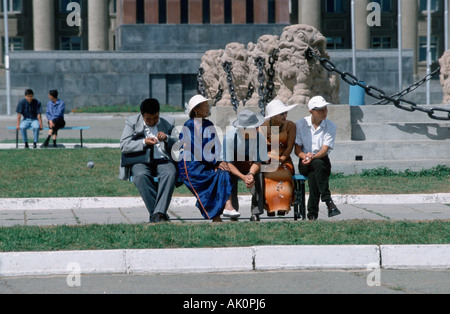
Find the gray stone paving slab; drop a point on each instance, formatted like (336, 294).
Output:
(49, 218)
(10, 219)
(191, 214)
(97, 216)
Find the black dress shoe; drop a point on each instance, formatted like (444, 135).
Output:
(158, 217)
(255, 218)
(332, 209)
(312, 217)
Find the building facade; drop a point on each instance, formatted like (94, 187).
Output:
(42, 25)
(162, 42)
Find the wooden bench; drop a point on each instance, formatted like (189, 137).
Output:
(299, 192)
(81, 128)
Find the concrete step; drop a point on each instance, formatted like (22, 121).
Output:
(401, 131)
(391, 150)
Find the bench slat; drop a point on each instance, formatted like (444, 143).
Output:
(81, 128)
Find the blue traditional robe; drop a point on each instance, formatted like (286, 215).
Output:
(199, 156)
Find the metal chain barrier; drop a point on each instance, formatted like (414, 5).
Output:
(227, 66)
(411, 88)
(260, 64)
(273, 57)
(378, 93)
(201, 83)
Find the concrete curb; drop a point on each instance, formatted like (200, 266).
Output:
(415, 256)
(257, 258)
(7, 204)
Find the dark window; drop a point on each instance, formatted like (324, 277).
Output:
(228, 12)
(271, 18)
(140, 15)
(250, 16)
(162, 12)
(335, 6)
(184, 7)
(206, 12)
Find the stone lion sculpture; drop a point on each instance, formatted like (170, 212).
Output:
(215, 77)
(300, 79)
(296, 79)
(444, 63)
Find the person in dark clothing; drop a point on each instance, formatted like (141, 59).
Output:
(30, 109)
(55, 116)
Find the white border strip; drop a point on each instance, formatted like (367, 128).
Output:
(203, 260)
(10, 204)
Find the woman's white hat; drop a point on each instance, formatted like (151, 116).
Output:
(194, 102)
(276, 107)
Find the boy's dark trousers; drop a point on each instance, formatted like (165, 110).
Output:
(318, 173)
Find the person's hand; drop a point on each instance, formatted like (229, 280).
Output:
(41, 127)
(150, 141)
(51, 124)
(223, 166)
(161, 136)
(308, 159)
(249, 180)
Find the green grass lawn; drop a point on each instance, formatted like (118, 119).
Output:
(63, 173)
(171, 235)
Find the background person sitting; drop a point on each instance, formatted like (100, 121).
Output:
(30, 109)
(55, 116)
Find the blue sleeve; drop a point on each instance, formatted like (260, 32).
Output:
(20, 107)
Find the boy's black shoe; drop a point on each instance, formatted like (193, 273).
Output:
(332, 209)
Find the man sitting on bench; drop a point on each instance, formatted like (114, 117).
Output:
(147, 132)
(55, 116)
(30, 109)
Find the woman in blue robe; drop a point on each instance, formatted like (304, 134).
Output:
(206, 177)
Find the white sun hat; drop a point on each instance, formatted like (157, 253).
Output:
(276, 107)
(194, 102)
(317, 102)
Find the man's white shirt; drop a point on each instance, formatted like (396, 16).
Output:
(312, 139)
